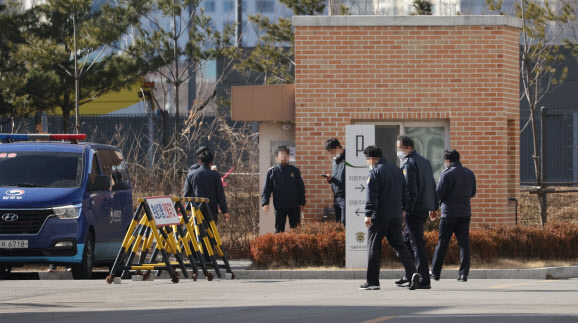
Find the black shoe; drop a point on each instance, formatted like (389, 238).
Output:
(414, 284)
(434, 277)
(402, 281)
(366, 286)
(463, 278)
(424, 287)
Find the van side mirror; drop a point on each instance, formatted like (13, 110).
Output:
(101, 183)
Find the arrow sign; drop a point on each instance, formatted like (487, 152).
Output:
(361, 187)
(357, 212)
(349, 165)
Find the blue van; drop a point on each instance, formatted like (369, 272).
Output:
(62, 203)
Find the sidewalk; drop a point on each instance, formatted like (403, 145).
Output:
(241, 272)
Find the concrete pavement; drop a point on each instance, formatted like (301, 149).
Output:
(288, 300)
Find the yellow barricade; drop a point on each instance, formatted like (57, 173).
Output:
(183, 239)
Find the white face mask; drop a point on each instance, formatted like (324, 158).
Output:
(401, 155)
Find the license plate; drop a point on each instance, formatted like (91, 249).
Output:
(13, 244)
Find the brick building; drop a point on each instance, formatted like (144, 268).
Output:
(448, 81)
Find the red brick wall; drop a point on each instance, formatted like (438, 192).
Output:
(465, 74)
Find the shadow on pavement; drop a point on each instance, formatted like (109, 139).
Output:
(280, 314)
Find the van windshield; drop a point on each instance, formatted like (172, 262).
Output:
(40, 169)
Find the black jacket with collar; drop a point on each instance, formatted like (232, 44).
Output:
(421, 186)
(455, 189)
(286, 185)
(386, 192)
(205, 182)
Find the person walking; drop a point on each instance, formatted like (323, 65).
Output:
(456, 188)
(422, 198)
(386, 200)
(204, 182)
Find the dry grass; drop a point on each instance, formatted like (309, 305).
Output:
(562, 207)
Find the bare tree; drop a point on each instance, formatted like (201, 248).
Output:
(541, 66)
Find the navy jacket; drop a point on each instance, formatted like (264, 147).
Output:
(338, 176)
(455, 189)
(421, 186)
(204, 182)
(386, 192)
(286, 185)
(194, 167)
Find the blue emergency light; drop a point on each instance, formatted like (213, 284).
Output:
(42, 136)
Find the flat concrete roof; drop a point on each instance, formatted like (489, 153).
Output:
(396, 21)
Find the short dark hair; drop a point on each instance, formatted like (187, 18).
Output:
(452, 155)
(201, 150)
(332, 143)
(405, 141)
(372, 151)
(284, 149)
(206, 157)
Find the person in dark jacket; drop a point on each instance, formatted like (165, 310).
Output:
(456, 188)
(337, 178)
(204, 182)
(284, 181)
(386, 200)
(422, 198)
(198, 153)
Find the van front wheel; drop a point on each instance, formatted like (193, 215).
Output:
(84, 269)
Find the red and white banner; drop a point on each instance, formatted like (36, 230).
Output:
(163, 210)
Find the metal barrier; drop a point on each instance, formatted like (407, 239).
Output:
(175, 234)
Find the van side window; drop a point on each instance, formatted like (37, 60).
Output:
(120, 178)
(93, 171)
(105, 163)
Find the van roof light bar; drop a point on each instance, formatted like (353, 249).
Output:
(73, 138)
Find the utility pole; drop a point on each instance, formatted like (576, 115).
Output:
(239, 23)
(76, 77)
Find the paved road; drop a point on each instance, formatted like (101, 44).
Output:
(509, 301)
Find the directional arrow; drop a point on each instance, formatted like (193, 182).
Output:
(349, 165)
(357, 212)
(362, 188)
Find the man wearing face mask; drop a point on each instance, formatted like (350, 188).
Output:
(456, 188)
(337, 178)
(422, 199)
(284, 181)
(386, 199)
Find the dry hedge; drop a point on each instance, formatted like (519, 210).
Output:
(323, 244)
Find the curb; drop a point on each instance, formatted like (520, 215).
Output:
(536, 273)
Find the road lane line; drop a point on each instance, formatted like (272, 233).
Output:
(379, 319)
(508, 285)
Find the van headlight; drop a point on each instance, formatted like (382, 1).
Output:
(67, 211)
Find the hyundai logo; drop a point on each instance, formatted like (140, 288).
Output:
(15, 192)
(10, 217)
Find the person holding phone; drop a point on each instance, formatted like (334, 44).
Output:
(337, 177)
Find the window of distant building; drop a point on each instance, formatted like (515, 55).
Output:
(209, 5)
(265, 5)
(228, 5)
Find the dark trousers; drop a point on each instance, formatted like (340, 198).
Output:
(214, 213)
(339, 207)
(460, 226)
(413, 238)
(281, 215)
(391, 230)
